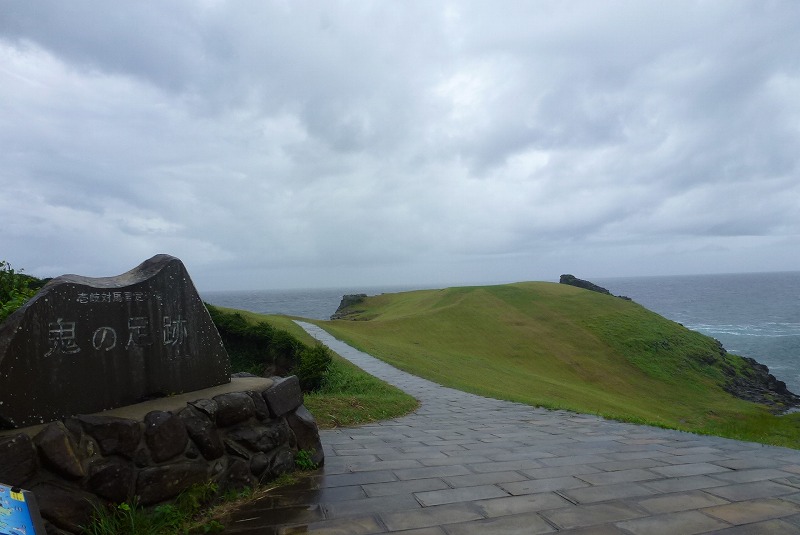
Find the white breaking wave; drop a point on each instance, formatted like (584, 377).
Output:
(769, 330)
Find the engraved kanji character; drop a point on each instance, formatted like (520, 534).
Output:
(175, 331)
(139, 332)
(61, 336)
(104, 338)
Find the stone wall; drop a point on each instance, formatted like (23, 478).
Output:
(236, 439)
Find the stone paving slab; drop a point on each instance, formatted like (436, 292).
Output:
(463, 464)
(684, 522)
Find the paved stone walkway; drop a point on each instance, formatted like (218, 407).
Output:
(463, 464)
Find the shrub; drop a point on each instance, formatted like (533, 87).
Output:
(313, 369)
(261, 349)
(255, 348)
(15, 289)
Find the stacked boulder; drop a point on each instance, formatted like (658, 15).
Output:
(236, 439)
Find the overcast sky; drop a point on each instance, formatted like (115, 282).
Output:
(322, 144)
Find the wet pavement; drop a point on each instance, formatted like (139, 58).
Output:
(463, 464)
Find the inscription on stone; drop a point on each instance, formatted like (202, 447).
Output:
(83, 344)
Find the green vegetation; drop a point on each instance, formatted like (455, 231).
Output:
(190, 510)
(15, 289)
(303, 459)
(259, 348)
(557, 346)
(255, 347)
(351, 396)
(346, 395)
(200, 509)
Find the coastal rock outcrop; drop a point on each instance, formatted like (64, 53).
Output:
(754, 383)
(347, 301)
(572, 280)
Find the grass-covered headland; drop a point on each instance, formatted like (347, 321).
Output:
(558, 346)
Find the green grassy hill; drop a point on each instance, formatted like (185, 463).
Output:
(558, 346)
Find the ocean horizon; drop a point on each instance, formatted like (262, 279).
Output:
(754, 315)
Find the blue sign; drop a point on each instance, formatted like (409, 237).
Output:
(19, 514)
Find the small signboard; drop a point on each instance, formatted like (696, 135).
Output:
(19, 513)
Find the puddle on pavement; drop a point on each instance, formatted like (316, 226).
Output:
(284, 506)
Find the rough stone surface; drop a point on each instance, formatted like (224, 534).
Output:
(304, 427)
(234, 408)
(83, 345)
(261, 409)
(260, 438)
(59, 452)
(165, 435)
(18, 462)
(112, 479)
(160, 483)
(191, 451)
(63, 506)
(237, 475)
(118, 460)
(233, 448)
(208, 407)
(755, 383)
(572, 280)
(259, 463)
(203, 433)
(50, 529)
(283, 396)
(281, 462)
(113, 435)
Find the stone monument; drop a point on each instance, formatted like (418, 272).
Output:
(83, 345)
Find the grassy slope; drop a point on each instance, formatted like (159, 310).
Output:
(350, 396)
(562, 347)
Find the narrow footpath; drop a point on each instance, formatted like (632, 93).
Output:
(463, 464)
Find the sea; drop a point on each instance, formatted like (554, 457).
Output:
(754, 315)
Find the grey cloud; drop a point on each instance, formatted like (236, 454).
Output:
(487, 140)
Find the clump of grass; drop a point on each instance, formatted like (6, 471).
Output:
(350, 397)
(200, 509)
(165, 519)
(303, 459)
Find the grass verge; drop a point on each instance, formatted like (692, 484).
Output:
(348, 396)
